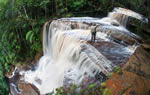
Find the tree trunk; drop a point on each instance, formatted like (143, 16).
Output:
(56, 7)
(112, 3)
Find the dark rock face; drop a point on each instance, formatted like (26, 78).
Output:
(112, 51)
(27, 89)
(135, 77)
(139, 63)
(17, 85)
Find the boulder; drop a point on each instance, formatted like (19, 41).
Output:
(139, 63)
(134, 79)
(128, 83)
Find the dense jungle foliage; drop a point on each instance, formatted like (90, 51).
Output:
(21, 23)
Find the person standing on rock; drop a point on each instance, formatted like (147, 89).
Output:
(93, 33)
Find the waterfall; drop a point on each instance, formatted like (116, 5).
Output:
(122, 16)
(69, 57)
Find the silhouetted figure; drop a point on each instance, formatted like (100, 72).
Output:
(93, 33)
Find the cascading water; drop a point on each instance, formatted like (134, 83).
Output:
(63, 57)
(69, 56)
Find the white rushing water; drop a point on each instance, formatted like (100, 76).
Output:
(63, 58)
(67, 55)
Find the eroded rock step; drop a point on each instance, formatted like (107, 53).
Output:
(97, 58)
(114, 52)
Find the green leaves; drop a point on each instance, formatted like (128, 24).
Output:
(4, 87)
(78, 4)
(29, 36)
(44, 3)
(103, 84)
(117, 70)
(92, 85)
(103, 1)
